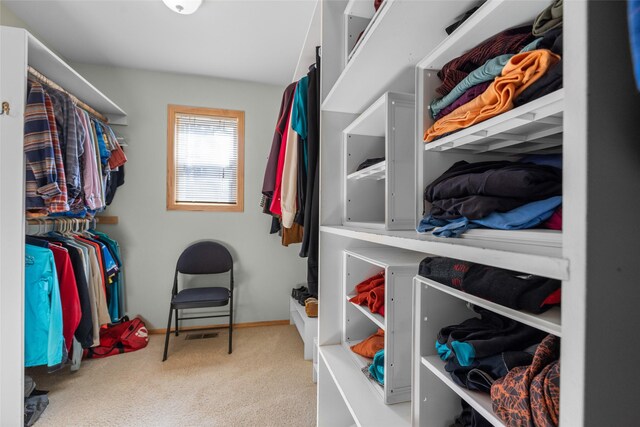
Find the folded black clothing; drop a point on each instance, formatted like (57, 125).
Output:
(485, 336)
(470, 417)
(526, 181)
(481, 374)
(451, 28)
(508, 288)
(369, 162)
(550, 82)
(473, 207)
(552, 40)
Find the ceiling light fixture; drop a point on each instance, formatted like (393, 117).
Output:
(183, 7)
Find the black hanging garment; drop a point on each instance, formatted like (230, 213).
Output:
(310, 239)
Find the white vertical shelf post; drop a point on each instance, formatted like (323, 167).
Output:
(13, 77)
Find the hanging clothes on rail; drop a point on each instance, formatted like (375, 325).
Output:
(79, 276)
(43, 336)
(73, 158)
(290, 190)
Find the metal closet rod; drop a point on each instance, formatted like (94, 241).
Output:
(44, 79)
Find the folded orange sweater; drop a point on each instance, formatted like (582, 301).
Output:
(521, 71)
(370, 346)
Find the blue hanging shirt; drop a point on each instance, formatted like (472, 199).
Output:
(43, 339)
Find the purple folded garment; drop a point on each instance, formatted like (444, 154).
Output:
(468, 96)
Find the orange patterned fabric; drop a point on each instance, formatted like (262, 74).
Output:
(370, 346)
(521, 71)
(529, 396)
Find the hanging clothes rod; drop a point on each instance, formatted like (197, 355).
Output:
(45, 225)
(44, 79)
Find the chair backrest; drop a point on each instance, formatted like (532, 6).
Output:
(205, 258)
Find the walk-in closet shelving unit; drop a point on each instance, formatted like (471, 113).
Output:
(383, 61)
(598, 252)
(20, 49)
(399, 268)
(535, 127)
(358, 17)
(377, 196)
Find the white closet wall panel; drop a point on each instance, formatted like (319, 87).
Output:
(13, 78)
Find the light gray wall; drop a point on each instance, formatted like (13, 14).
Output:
(152, 237)
(8, 18)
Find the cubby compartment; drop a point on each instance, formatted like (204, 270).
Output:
(359, 322)
(358, 17)
(380, 195)
(436, 397)
(532, 128)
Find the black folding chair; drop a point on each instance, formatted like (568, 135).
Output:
(202, 258)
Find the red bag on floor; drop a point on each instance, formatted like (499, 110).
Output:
(123, 337)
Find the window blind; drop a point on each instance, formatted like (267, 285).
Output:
(206, 156)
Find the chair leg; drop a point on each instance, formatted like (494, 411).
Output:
(230, 324)
(166, 338)
(177, 332)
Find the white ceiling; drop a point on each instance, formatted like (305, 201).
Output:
(255, 40)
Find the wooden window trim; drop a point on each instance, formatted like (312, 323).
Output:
(172, 110)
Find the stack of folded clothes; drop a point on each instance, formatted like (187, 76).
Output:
(370, 292)
(372, 348)
(478, 338)
(514, 363)
(511, 68)
(495, 194)
(509, 288)
(530, 395)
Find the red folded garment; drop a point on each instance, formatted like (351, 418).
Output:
(376, 299)
(363, 288)
(555, 222)
(367, 284)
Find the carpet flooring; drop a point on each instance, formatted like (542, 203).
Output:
(264, 382)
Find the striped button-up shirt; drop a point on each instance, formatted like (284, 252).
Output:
(41, 171)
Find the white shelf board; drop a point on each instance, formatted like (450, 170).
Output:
(518, 255)
(52, 66)
(537, 236)
(365, 404)
(361, 8)
(372, 225)
(385, 257)
(374, 172)
(302, 313)
(376, 318)
(401, 33)
(481, 402)
(299, 322)
(372, 121)
(493, 17)
(311, 40)
(532, 127)
(549, 321)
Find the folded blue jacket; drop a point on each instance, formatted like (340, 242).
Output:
(526, 216)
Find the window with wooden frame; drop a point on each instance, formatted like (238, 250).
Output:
(205, 159)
